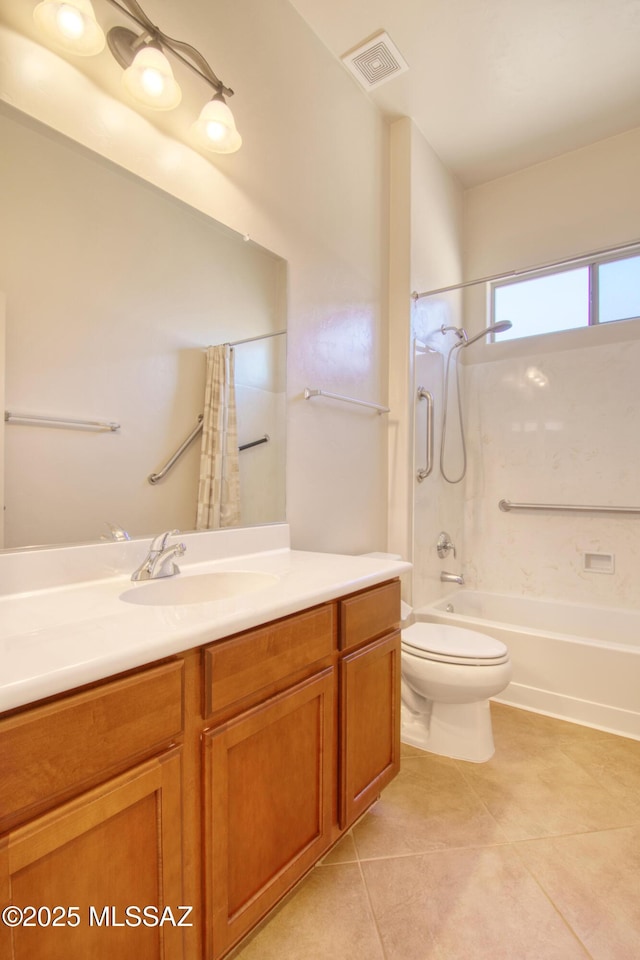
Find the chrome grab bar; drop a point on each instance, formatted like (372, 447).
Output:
(255, 443)
(308, 393)
(506, 506)
(59, 421)
(155, 477)
(424, 473)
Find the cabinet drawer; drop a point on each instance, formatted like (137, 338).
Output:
(51, 752)
(370, 614)
(253, 665)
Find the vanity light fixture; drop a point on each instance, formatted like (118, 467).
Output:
(148, 77)
(71, 25)
(215, 128)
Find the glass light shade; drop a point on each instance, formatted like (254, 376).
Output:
(71, 24)
(150, 80)
(215, 129)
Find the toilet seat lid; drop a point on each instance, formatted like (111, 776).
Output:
(440, 641)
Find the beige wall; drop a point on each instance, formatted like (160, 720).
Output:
(2, 403)
(577, 203)
(309, 184)
(426, 238)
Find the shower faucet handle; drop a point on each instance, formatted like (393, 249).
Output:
(445, 545)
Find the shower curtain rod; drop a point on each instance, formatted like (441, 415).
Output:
(263, 336)
(585, 257)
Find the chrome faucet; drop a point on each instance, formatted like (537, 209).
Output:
(452, 578)
(159, 561)
(116, 532)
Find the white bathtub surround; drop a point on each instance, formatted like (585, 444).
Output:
(555, 427)
(574, 661)
(78, 629)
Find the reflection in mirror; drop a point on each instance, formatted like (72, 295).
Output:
(114, 290)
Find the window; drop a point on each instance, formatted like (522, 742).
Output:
(619, 290)
(602, 291)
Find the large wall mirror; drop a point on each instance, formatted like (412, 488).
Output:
(114, 290)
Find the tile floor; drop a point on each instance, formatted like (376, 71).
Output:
(534, 855)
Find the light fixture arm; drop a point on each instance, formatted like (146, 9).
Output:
(187, 54)
(142, 52)
(135, 11)
(198, 63)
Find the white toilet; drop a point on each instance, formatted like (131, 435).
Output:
(448, 675)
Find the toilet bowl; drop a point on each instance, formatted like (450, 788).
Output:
(448, 675)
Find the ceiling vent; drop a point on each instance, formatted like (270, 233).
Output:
(376, 61)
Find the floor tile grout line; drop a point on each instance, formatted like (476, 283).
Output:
(365, 885)
(480, 799)
(487, 846)
(550, 900)
(577, 833)
(521, 860)
(635, 821)
(372, 912)
(441, 850)
(634, 818)
(523, 863)
(458, 766)
(603, 782)
(505, 841)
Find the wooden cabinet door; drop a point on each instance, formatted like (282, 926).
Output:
(268, 805)
(369, 724)
(115, 847)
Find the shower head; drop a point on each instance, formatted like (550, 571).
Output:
(492, 328)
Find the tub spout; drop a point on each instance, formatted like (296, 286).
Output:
(447, 577)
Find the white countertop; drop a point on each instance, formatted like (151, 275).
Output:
(58, 638)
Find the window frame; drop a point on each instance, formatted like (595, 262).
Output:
(592, 264)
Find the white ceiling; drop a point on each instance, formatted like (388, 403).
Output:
(498, 85)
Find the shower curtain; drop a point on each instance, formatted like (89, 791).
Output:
(219, 486)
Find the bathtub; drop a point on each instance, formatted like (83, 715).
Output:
(573, 661)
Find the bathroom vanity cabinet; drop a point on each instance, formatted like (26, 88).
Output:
(90, 817)
(213, 780)
(369, 683)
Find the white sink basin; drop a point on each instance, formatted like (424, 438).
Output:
(199, 588)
